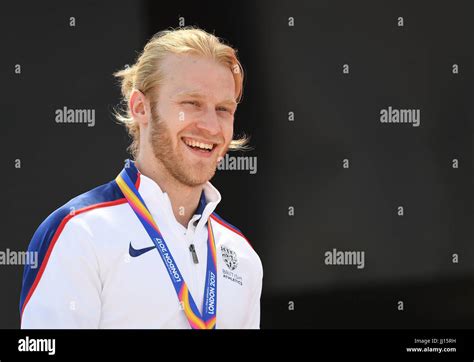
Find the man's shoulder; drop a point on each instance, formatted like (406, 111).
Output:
(235, 238)
(227, 227)
(104, 195)
(61, 224)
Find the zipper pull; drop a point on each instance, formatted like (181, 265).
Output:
(193, 253)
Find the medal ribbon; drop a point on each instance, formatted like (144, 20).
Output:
(196, 320)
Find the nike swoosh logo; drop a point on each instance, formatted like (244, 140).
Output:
(137, 252)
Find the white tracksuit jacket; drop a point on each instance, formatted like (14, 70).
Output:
(98, 267)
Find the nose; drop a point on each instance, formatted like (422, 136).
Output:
(209, 122)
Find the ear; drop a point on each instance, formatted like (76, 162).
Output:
(139, 107)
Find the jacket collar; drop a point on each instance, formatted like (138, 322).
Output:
(159, 203)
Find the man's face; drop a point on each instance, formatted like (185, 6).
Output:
(193, 117)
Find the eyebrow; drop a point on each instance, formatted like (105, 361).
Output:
(194, 94)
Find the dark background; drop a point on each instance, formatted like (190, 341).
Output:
(299, 69)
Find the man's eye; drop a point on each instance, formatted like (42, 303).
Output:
(193, 103)
(224, 109)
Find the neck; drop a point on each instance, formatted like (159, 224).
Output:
(184, 199)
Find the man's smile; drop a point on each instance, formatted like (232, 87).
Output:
(202, 148)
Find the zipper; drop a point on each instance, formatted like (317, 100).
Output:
(192, 249)
(190, 238)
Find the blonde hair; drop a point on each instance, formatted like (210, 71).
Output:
(145, 75)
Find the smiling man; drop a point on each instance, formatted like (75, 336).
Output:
(147, 250)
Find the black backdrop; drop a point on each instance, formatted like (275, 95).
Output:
(300, 163)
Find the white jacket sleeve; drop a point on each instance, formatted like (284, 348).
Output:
(65, 290)
(253, 320)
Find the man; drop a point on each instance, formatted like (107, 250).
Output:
(147, 250)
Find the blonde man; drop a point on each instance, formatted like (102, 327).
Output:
(147, 250)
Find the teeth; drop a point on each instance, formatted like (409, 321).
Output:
(193, 143)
